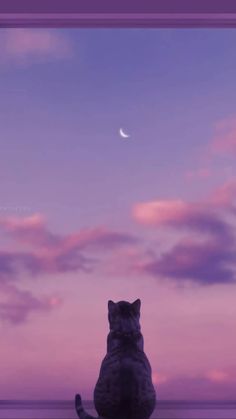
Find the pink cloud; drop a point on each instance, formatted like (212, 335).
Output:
(205, 213)
(16, 305)
(30, 230)
(198, 216)
(24, 45)
(34, 231)
(218, 376)
(98, 238)
(224, 196)
(54, 253)
(224, 141)
(159, 212)
(158, 378)
(205, 259)
(23, 224)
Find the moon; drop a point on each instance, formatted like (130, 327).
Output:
(123, 134)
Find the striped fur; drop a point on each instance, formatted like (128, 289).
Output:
(124, 389)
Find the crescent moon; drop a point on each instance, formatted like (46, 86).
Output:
(123, 134)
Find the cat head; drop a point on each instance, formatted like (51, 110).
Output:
(123, 315)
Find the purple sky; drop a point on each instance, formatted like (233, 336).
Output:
(86, 216)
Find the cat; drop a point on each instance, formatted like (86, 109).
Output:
(124, 389)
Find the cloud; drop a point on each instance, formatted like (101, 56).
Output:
(179, 214)
(25, 45)
(218, 376)
(48, 253)
(54, 253)
(221, 146)
(34, 231)
(12, 261)
(15, 263)
(224, 141)
(224, 197)
(158, 378)
(207, 253)
(30, 230)
(98, 238)
(16, 306)
(206, 263)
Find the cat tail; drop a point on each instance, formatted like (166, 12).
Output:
(80, 410)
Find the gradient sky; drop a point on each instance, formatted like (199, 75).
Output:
(86, 216)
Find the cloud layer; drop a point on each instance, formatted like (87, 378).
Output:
(54, 253)
(44, 252)
(206, 255)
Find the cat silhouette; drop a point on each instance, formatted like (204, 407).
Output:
(124, 389)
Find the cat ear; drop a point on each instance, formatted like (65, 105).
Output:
(111, 305)
(136, 305)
